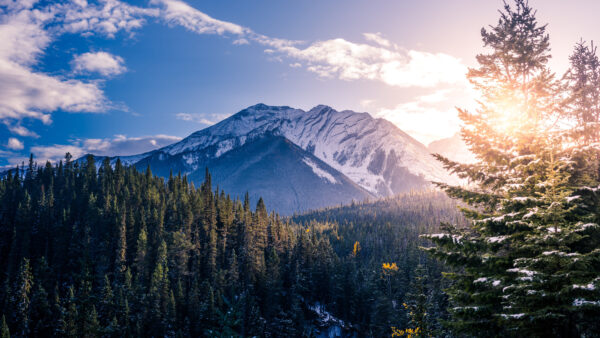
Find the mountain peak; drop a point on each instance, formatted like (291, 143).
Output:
(258, 106)
(373, 153)
(265, 107)
(320, 108)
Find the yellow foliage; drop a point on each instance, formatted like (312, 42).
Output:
(389, 268)
(356, 249)
(408, 333)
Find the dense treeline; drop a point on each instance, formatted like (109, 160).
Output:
(387, 231)
(111, 251)
(87, 251)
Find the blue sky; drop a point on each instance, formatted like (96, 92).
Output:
(116, 78)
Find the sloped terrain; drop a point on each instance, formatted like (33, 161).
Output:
(287, 177)
(347, 147)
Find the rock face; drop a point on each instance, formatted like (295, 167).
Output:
(298, 160)
(287, 177)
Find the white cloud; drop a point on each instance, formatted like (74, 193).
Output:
(119, 145)
(366, 102)
(26, 93)
(241, 42)
(103, 63)
(52, 153)
(26, 31)
(378, 39)
(107, 18)
(14, 144)
(352, 61)
(340, 58)
(20, 130)
(208, 119)
(180, 13)
(122, 145)
(430, 117)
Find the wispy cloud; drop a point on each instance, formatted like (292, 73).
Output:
(102, 63)
(18, 129)
(180, 13)
(336, 58)
(366, 103)
(122, 145)
(105, 17)
(27, 30)
(345, 60)
(378, 39)
(208, 119)
(241, 42)
(119, 145)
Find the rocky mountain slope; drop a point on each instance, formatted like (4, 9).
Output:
(367, 157)
(288, 178)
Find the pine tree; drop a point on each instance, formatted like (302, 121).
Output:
(4, 330)
(21, 300)
(583, 86)
(121, 250)
(522, 262)
(91, 326)
(40, 311)
(107, 303)
(418, 303)
(71, 315)
(140, 257)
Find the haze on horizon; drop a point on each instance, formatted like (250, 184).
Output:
(118, 78)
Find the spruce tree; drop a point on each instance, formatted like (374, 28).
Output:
(4, 330)
(70, 316)
(582, 81)
(529, 256)
(21, 300)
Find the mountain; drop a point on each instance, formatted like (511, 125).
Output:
(287, 177)
(454, 148)
(365, 156)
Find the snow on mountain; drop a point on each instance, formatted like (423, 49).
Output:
(341, 156)
(287, 177)
(319, 172)
(373, 153)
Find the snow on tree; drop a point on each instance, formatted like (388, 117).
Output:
(529, 263)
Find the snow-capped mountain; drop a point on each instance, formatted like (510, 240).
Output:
(375, 155)
(288, 178)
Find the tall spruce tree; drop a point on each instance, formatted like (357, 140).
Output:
(4, 330)
(583, 87)
(528, 263)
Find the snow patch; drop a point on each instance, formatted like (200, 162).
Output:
(513, 316)
(526, 272)
(497, 239)
(320, 172)
(455, 238)
(581, 302)
(589, 287)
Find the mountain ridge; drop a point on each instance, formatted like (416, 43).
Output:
(372, 153)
